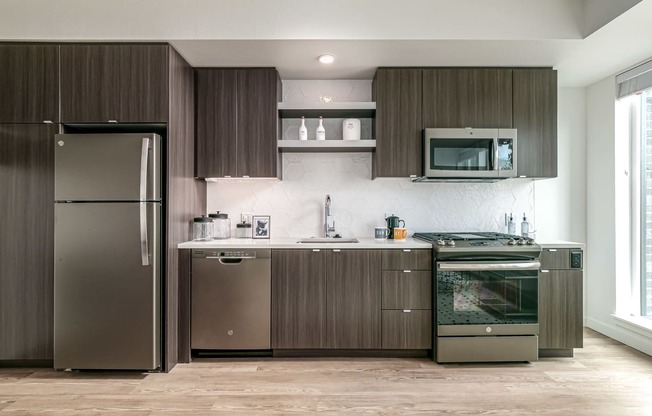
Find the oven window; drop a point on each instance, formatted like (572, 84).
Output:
(487, 297)
(461, 154)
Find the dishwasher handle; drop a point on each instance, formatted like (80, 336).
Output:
(229, 260)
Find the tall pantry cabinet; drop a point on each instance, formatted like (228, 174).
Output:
(29, 116)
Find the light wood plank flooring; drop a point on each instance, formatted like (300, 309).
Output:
(604, 378)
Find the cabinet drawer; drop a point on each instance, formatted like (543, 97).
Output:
(407, 259)
(407, 330)
(561, 258)
(403, 290)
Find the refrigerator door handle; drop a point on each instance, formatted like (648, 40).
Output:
(144, 159)
(144, 244)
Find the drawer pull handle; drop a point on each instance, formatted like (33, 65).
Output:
(552, 249)
(315, 250)
(407, 271)
(336, 250)
(545, 271)
(407, 310)
(406, 250)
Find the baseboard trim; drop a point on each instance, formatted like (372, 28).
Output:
(26, 363)
(556, 352)
(310, 353)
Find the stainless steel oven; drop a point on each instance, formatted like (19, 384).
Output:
(469, 153)
(486, 291)
(486, 310)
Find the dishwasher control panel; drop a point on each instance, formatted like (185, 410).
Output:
(224, 254)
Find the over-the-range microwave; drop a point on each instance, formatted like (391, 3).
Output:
(468, 154)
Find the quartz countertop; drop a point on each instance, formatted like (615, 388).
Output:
(560, 244)
(291, 242)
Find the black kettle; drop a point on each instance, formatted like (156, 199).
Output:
(393, 222)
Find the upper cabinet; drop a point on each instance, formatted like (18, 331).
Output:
(114, 83)
(237, 122)
(467, 97)
(29, 85)
(535, 118)
(397, 92)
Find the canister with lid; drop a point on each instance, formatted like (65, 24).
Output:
(221, 226)
(243, 230)
(202, 229)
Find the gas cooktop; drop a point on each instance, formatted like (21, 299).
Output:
(485, 244)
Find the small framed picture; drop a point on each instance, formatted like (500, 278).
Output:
(261, 226)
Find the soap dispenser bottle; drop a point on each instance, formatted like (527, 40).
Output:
(511, 225)
(321, 132)
(303, 130)
(525, 226)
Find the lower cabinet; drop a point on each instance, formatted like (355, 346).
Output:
(560, 300)
(353, 300)
(407, 299)
(299, 299)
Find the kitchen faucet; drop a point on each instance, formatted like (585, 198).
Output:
(329, 222)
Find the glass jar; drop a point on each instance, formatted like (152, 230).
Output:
(243, 230)
(202, 229)
(221, 226)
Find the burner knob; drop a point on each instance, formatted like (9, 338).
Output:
(530, 241)
(511, 242)
(521, 242)
(441, 242)
(450, 243)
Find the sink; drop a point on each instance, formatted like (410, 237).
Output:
(328, 240)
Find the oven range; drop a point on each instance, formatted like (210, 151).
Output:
(486, 295)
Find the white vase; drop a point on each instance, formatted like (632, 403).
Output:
(321, 132)
(303, 131)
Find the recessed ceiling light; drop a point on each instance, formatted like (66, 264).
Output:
(326, 59)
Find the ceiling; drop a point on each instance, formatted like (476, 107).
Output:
(586, 40)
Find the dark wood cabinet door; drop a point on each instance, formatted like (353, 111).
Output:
(299, 298)
(535, 118)
(27, 238)
(397, 93)
(560, 309)
(257, 122)
(125, 83)
(407, 259)
(29, 83)
(407, 289)
(407, 329)
(354, 300)
(216, 134)
(467, 97)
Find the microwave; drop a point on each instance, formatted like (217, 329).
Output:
(469, 154)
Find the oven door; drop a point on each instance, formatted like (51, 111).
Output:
(487, 298)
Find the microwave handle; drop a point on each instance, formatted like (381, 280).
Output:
(495, 154)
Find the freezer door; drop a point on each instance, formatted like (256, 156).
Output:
(107, 167)
(107, 286)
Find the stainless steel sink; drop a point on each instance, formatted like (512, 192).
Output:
(328, 240)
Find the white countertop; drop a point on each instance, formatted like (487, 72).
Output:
(560, 244)
(291, 242)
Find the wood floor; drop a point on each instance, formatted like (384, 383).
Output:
(604, 378)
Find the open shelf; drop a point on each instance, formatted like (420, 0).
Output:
(326, 145)
(328, 110)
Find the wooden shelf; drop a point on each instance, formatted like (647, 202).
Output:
(326, 145)
(328, 110)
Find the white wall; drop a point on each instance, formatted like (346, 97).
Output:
(604, 172)
(560, 203)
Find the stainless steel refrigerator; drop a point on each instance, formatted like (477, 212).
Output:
(107, 251)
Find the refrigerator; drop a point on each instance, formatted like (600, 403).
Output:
(107, 251)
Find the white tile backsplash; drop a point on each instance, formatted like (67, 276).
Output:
(296, 204)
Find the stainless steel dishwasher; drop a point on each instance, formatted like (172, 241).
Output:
(231, 299)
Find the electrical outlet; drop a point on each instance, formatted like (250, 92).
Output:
(576, 259)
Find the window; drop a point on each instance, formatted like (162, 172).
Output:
(645, 215)
(640, 116)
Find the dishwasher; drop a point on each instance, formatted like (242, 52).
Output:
(231, 299)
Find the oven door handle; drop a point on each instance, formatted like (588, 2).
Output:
(483, 266)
